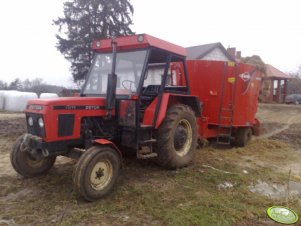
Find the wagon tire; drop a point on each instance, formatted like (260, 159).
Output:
(25, 164)
(177, 138)
(243, 136)
(96, 172)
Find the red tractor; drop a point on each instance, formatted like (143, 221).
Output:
(136, 97)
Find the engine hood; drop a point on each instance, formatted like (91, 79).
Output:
(63, 117)
(68, 103)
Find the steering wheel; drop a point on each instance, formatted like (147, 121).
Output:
(129, 81)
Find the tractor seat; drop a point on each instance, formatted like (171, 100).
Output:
(150, 92)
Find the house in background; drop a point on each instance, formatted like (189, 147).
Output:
(274, 86)
(213, 51)
(234, 54)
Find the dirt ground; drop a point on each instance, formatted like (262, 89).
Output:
(223, 186)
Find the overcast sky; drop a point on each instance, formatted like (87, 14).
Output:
(271, 29)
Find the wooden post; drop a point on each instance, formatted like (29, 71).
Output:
(284, 90)
(278, 93)
(271, 97)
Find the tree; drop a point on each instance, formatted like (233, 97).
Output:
(16, 85)
(256, 61)
(3, 85)
(294, 84)
(88, 20)
(28, 85)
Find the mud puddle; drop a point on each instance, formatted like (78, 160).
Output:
(276, 191)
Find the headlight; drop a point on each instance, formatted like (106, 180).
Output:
(30, 121)
(41, 122)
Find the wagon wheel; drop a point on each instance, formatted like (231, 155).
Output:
(243, 136)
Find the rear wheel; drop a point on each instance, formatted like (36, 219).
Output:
(25, 164)
(243, 136)
(177, 138)
(96, 172)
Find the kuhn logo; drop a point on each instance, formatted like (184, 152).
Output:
(245, 76)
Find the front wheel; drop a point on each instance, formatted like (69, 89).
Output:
(25, 164)
(96, 172)
(177, 137)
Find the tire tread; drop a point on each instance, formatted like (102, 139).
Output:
(166, 155)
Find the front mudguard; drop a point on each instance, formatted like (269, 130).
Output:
(109, 143)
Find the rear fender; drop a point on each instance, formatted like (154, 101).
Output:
(167, 101)
(108, 143)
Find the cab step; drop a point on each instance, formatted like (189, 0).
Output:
(146, 153)
(227, 135)
(151, 141)
(146, 127)
(147, 156)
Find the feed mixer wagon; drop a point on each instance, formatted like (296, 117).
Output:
(229, 93)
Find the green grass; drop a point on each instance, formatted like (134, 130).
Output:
(148, 195)
(189, 197)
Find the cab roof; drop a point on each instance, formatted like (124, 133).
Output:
(139, 41)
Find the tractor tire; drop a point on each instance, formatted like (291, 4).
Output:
(96, 172)
(243, 136)
(177, 138)
(25, 164)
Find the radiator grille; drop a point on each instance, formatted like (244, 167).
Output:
(65, 125)
(35, 129)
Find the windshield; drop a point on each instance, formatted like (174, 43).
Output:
(128, 69)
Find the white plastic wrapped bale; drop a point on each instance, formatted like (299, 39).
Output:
(48, 95)
(26, 96)
(10, 99)
(7, 97)
(2, 99)
(17, 101)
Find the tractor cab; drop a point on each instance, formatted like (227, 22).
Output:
(133, 73)
(142, 64)
(144, 67)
